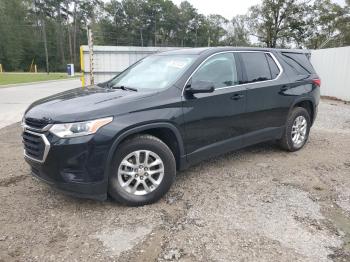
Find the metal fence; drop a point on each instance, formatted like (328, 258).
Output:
(333, 67)
(110, 60)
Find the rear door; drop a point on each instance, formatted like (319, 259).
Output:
(214, 121)
(267, 106)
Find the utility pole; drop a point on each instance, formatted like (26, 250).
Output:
(45, 47)
(155, 32)
(40, 13)
(156, 10)
(91, 54)
(141, 37)
(209, 38)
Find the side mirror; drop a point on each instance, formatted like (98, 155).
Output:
(200, 87)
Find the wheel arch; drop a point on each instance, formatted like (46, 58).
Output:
(308, 104)
(152, 129)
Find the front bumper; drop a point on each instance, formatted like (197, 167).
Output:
(75, 166)
(95, 191)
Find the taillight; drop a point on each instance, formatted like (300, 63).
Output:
(316, 81)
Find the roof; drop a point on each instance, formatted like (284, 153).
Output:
(187, 51)
(211, 50)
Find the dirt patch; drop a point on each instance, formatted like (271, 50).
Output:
(259, 203)
(131, 237)
(12, 180)
(335, 99)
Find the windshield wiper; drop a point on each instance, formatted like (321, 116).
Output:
(124, 88)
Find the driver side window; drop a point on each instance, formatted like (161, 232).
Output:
(219, 69)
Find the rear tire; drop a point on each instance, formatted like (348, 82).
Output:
(297, 130)
(143, 169)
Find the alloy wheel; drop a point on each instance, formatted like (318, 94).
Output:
(299, 130)
(140, 172)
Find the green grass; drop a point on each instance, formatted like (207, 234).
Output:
(20, 78)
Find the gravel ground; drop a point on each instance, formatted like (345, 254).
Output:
(256, 204)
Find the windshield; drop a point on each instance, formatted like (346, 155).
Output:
(154, 72)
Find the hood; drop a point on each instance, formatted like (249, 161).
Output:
(84, 104)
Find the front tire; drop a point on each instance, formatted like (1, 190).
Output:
(142, 171)
(297, 130)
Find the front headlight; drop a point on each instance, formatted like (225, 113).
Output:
(79, 128)
(23, 123)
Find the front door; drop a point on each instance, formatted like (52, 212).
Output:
(215, 121)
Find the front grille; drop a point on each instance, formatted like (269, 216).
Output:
(36, 123)
(34, 145)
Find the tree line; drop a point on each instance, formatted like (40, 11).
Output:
(50, 32)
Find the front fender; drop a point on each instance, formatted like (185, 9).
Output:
(134, 130)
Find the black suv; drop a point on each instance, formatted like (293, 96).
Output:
(127, 137)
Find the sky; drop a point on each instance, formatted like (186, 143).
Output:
(227, 8)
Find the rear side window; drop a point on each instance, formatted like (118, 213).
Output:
(275, 71)
(299, 63)
(256, 65)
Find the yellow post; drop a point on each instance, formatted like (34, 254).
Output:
(82, 78)
(0, 68)
(35, 69)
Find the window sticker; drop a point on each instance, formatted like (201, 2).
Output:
(177, 63)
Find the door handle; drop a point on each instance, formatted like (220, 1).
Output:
(237, 96)
(284, 88)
